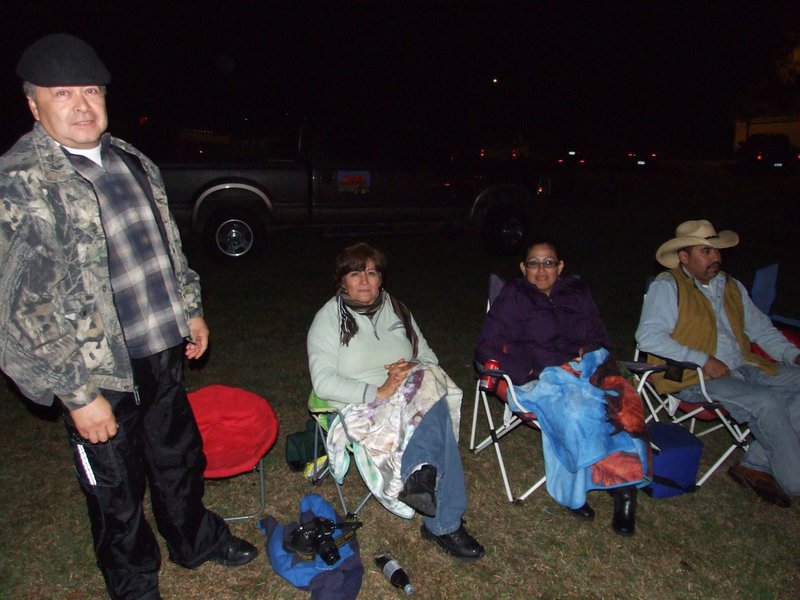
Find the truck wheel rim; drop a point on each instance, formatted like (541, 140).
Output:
(234, 238)
(512, 232)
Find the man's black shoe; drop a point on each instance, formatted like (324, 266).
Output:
(458, 543)
(419, 491)
(233, 552)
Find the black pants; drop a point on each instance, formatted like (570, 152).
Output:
(157, 444)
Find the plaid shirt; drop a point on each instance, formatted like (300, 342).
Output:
(145, 290)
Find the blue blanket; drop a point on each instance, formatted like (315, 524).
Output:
(577, 431)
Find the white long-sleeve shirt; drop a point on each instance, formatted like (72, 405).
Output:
(660, 315)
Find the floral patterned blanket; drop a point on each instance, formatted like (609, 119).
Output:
(380, 431)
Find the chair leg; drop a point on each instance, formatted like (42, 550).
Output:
(645, 391)
(475, 415)
(349, 515)
(262, 495)
(495, 434)
(739, 443)
(530, 490)
(498, 433)
(319, 474)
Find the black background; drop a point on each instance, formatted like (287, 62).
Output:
(600, 75)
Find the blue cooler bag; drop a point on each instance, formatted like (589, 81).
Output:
(677, 461)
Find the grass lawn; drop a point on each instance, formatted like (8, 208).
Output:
(721, 542)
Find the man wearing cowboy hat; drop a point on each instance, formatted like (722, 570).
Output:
(98, 309)
(697, 313)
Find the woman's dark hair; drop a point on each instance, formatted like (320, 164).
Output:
(355, 258)
(542, 241)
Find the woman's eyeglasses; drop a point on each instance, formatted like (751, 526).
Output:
(547, 263)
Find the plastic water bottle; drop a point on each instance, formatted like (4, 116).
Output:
(394, 572)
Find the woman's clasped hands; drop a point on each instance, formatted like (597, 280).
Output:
(397, 373)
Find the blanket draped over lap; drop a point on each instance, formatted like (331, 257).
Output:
(381, 430)
(593, 430)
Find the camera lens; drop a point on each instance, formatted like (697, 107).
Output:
(327, 550)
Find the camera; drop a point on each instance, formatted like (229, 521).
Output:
(316, 537)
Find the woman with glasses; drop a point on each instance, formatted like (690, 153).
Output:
(547, 319)
(541, 319)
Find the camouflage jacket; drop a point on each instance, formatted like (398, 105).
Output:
(59, 329)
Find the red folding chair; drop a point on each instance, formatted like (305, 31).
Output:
(238, 429)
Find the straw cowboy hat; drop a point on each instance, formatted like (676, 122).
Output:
(694, 233)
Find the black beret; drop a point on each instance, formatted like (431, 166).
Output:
(62, 59)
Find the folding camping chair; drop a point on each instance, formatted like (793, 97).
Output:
(510, 420)
(323, 414)
(764, 292)
(238, 428)
(702, 418)
(709, 415)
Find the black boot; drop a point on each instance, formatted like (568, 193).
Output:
(419, 491)
(624, 520)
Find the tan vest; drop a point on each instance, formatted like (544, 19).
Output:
(697, 328)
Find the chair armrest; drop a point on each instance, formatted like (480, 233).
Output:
(674, 363)
(322, 410)
(640, 368)
(482, 371)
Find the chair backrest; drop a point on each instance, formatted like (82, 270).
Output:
(764, 291)
(319, 407)
(496, 284)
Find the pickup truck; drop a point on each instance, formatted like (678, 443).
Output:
(233, 192)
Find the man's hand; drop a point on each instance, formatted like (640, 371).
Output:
(715, 368)
(199, 331)
(95, 421)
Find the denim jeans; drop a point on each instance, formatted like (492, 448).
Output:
(433, 443)
(770, 404)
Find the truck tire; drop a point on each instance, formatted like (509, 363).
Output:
(234, 235)
(505, 230)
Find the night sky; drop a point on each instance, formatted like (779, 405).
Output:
(600, 74)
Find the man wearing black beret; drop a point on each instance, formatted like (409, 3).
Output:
(98, 308)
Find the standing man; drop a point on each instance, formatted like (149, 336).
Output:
(697, 313)
(98, 309)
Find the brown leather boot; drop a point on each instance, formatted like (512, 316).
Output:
(762, 483)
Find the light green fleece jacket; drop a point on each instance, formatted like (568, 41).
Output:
(352, 374)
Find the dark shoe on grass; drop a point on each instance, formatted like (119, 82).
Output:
(624, 520)
(458, 543)
(234, 552)
(585, 512)
(419, 491)
(762, 483)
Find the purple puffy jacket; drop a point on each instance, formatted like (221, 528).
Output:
(525, 330)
